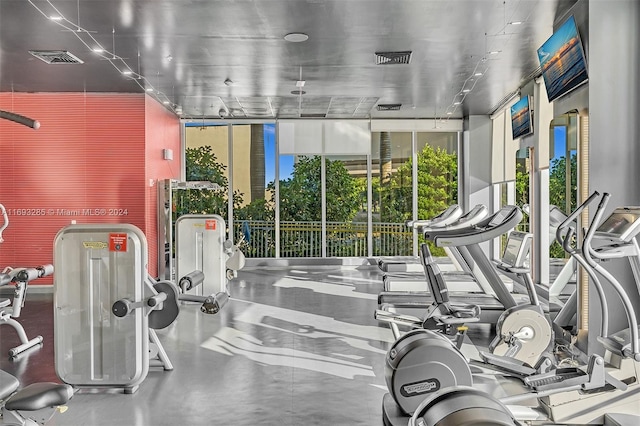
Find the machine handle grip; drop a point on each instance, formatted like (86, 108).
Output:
(566, 243)
(154, 301)
(21, 119)
(573, 216)
(123, 307)
(597, 218)
(45, 270)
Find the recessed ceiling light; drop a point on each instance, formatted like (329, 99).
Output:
(296, 37)
(494, 52)
(449, 112)
(478, 74)
(457, 103)
(98, 50)
(166, 102)
(466, 90)
(55, 18)
(149, 89)
(127, 72)
(515, 23)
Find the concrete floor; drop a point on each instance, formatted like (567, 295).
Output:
(295, 346)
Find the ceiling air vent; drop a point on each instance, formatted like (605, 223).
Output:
(388, 58)
(313, 115)
(56, 56)
(388, 107)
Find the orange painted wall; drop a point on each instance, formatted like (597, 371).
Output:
(87, 162)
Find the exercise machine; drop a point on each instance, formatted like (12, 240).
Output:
(9, 311)
(107, 307)
(602, 387)
(100, 275)
(18, 407)
(609, 383)
(397, 264)
(462, 406)
(414, 365)
(524, 341)
(201, 245)
(461, 279)
(496, 296)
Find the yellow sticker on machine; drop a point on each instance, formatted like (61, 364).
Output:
(95, 244)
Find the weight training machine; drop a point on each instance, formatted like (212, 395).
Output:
(20, 278)
(213, 303)
(107, 307)
(100, 273)
(9, 310)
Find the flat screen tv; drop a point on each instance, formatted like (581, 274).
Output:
(562, 60)
(521, 124)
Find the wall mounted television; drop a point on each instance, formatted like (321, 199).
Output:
(521, 123)
(562, 60)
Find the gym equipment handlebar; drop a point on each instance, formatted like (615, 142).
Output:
(20, 119)
(124, 307)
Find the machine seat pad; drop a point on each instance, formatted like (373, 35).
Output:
(39, 395)
(8, 384)
(5, 302)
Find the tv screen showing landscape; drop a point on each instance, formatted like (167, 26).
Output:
(521, 118)
(562, 61)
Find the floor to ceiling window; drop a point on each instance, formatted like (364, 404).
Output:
(308, 189)
(346, 205)
(392, 184)
(300, 206)
(206, 159)
(437, 175)
(253, 183)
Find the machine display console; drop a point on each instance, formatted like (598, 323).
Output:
(500, 216)
(517, 250)
(622, 224)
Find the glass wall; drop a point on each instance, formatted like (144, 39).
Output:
(300, 206)
(346, 195)
(392, 188)
(437, 171)
(563, 170)
(207, 159)
(296, 205)
(254, 166)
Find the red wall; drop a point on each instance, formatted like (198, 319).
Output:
(162, 131)
(87, 162)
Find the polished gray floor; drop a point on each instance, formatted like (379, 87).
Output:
(295, 346)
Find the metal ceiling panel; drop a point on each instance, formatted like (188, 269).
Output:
(183, 51)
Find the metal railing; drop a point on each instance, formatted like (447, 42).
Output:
(304, 239)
